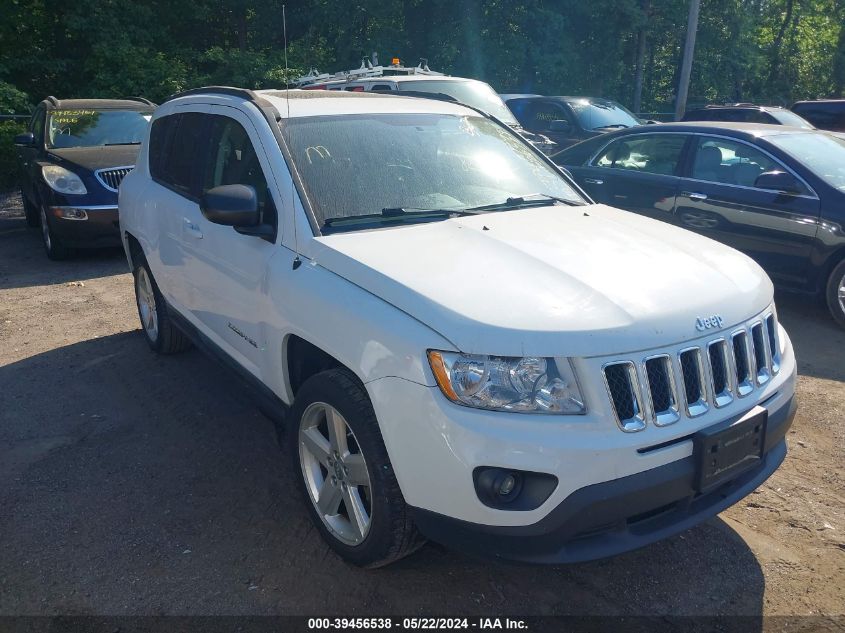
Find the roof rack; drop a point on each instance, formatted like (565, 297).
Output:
(243, 93)
(141, 99)
(367, 69)
(52, 100)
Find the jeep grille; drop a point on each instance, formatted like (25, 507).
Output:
(710, 374)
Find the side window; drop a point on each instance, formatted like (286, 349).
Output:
(648, 153)
(381, 88)
(36, 126)
(161, 133)
(729, 162)
(232, 160)
(175, 142)
(541, 116)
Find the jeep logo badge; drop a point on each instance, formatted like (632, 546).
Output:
(707, 323)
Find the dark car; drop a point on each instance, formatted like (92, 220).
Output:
(774, 192)
(72, 160)
(747, 113)
(826, 114)
(568, 120)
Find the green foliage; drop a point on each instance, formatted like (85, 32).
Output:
(9, 153)
(762, 50)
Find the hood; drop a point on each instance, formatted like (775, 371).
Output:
(552, 281)
(100, 157)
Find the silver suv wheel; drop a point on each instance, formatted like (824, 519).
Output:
(335, 473)
(146, 304)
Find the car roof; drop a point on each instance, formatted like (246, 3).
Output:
(820, 101)
(740, 130)
(296, 103)
(739, 106)
(505, 97)
(97, 104)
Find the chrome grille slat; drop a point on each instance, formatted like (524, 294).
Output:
(112, 177)
(742, 363)
(623, 387)
(721, 372)
(774, 343)
(660, 389)
(694, 386)
(760, 353)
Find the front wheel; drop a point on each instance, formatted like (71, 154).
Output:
(344, 473)
(31, 211)
(52, 244)
(161, 333)
(836, 293)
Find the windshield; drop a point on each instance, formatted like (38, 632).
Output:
(595, 114)
(785, 117)
(359, 165)
(473, 93)
(822, 154)
(91, 128)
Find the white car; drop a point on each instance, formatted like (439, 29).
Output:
(465, 348)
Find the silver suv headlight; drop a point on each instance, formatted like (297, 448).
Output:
(501, 383)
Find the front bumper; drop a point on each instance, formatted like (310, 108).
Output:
(615, 516)
(100, 228)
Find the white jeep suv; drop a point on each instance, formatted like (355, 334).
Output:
(464, 347)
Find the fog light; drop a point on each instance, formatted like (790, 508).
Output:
(506, 485)
(69, 213)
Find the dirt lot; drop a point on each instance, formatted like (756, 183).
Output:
(131, 484)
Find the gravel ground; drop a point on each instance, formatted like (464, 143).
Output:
(133, 484)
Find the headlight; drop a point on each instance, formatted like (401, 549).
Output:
(524, 385)
(63, 180)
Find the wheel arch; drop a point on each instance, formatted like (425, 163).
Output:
(302, 359)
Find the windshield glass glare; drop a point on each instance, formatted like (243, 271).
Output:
(357, 165)
(473, 93)
(822, 154)
(594, 114)
(91, 128)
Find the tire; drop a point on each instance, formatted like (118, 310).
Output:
(390, 533)
(161, 333)
(53, 246)
(33, 219)
(835, 293)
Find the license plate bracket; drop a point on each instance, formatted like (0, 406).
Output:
(726, 450)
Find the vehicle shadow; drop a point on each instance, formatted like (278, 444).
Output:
(815, 335)
(22, 246)
(140, 484)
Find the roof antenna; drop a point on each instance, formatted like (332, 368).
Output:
(297, 262)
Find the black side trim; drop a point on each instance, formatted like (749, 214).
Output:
(267, 400)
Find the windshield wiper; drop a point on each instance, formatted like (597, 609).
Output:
(394, 214)
(527, 200)
(127, 143)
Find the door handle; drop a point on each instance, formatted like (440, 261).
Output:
(192, 229)
(692, 195)
(594, 181)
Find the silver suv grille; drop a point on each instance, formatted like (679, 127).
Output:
(112, 177)
(662, 387)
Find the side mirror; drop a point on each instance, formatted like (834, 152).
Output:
(27, 139)
(231, 205)
(559, 125)
(777, 181)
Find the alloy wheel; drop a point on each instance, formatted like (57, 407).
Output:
(335, 473)
(841, 294)
(147, 303)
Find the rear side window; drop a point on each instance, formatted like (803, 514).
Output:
(827, 116)
(729, 162)
(175, 143)
(648, 153)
